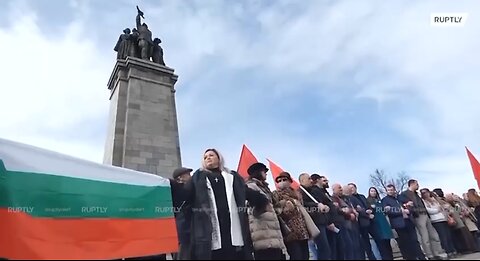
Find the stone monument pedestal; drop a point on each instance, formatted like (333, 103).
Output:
(143, 130)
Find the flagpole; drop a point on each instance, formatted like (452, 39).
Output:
(240, 160)
(308, 194)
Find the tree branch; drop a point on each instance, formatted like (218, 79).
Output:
(380, 180)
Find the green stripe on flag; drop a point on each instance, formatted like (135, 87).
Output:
(43, 195)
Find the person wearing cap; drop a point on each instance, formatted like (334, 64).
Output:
(287, 198)
(218, 196)
(182, 213)
(264, 224)
(182, 175)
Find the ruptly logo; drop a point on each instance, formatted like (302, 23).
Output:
(448, 19)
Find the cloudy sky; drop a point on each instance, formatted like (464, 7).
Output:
(336, 87)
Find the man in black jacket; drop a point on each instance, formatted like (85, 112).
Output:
(183, 214)
(319, 213)
(428, 235)
(359, 202)
(335, 219)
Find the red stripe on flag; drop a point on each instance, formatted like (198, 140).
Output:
(246, 160)
(475, 166)
(276, 170)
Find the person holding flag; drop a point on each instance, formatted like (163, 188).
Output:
(319, 213)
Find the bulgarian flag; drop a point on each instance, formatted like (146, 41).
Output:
(57, 207)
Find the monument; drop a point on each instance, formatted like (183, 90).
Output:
(143, 131)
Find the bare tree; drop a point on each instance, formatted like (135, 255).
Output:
(380, 180)
(401, 182)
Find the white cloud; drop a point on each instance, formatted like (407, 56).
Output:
(385, 51)
(51, 85)
(450, 172)
(432, 69)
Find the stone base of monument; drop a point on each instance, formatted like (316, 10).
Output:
(143, 131)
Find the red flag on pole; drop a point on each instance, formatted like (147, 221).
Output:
(475, 166)
(276, 170)
(246, 160)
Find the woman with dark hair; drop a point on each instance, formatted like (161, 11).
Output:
(220, 228)
(380, 228)
(265, 228)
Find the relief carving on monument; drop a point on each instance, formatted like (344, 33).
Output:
(138, 43)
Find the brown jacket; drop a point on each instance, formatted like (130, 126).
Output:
(264, 227)
(293, 217)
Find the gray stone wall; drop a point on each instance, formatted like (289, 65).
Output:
(143, 130)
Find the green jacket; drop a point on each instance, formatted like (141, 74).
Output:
(381, 229)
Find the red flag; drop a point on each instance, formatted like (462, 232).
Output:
(276, 170)
(475, 166)
(246, 160)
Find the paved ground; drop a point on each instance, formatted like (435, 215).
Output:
(474, 256)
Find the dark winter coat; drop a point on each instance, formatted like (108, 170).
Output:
(395, 215)
(320, 219)
(201, 227)
(363, 217)
(333, 215)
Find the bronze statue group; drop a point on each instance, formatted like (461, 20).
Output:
(138, 43)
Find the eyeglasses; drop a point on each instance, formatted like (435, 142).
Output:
(281, 180)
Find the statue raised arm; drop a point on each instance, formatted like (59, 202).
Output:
(140, 12)
(145, 42)
(138, 21)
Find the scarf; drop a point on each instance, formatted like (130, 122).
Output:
(235, 227)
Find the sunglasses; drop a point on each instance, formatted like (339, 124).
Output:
(281, 180)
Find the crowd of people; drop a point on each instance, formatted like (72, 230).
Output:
(225, 217)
